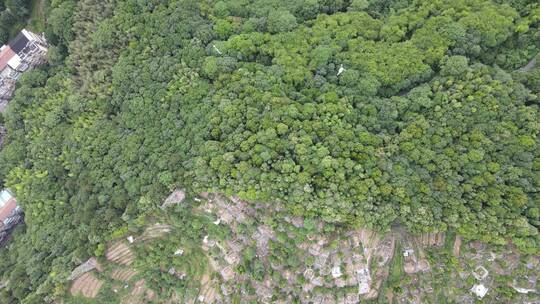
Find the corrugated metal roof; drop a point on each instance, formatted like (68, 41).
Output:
(18, 43)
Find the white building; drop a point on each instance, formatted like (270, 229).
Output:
(479, 290)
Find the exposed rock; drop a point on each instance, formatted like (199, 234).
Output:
(176, 197)
(91, 264)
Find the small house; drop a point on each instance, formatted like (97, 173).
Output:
(10, 214)
(24, 52)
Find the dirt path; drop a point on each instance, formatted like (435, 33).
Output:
(529, 66)
(457, 246)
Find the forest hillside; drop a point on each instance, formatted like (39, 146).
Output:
(364, 114)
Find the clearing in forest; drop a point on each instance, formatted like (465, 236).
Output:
(87, 285)
(123, 274)
(120, 253)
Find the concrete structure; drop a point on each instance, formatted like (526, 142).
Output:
(24, 52)
(10, 215)
(480, 273)
(479, 290)
(336, 272)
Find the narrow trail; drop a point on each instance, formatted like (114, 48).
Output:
(529, 66)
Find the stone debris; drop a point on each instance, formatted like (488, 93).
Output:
(130, 239)
(85, 267)
(480, 273)
(176, 197)
(179, 252)
(364, 279)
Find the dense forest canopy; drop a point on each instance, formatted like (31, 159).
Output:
(363, 113)
(13, 16)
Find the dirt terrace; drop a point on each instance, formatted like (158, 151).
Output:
(120, 253)
(87, 285)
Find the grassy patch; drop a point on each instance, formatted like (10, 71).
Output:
(37, 20)
(396, 268)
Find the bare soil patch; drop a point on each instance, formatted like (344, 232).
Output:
(87, 285)
(123, 274)
(120, 253)
(457, 246)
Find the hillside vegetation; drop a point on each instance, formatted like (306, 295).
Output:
(362, 113)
